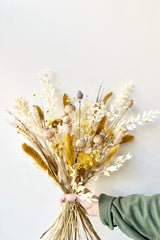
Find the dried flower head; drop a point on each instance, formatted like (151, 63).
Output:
(79, 95)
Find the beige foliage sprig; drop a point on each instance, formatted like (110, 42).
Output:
(49, 91)
(23, 110)
(132, 123)
(22, 107)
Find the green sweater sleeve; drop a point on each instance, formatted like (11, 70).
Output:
(138, 216)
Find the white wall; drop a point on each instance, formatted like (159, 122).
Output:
(85, 42)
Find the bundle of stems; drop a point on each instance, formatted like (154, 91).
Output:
(72, 224)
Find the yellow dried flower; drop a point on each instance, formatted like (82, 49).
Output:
(85, 128)
(66, 100)
(58, 148)
(85, 161)
(54, 122)
(96, 155)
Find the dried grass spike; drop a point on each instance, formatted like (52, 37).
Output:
(111, 153)
(66, 100)
(127, 138)
(38, 159)
(101, 124)
(40, 112)
(69, 149)
(108, 95)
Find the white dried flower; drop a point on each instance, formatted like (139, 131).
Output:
(119, 105)
(124, 95)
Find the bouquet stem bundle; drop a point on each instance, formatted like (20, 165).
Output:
(70, 224)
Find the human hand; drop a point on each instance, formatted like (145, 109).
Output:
(91, 209)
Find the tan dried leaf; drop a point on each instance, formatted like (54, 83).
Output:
(108, 95)
(40, 112)
(111, 153)
(66, 100)
(127, 138)
(101, 124)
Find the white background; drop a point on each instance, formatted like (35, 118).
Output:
(85, 43)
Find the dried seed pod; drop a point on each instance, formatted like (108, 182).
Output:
(80, 143)
(79, 95)
(69, 108)
(98, 139)
(129, 103)
(48, 133)
(66, 119)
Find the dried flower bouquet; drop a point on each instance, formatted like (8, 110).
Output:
(76, 148)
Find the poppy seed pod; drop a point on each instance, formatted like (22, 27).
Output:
(98, 139)
(48, 133)
(79, 95)
(80, 143)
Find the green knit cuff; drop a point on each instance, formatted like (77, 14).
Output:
(105, 204)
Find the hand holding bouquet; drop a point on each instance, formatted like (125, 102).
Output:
(77, 147)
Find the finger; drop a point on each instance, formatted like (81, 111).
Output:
(61, 203)
(71, 198)
(62, 199)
